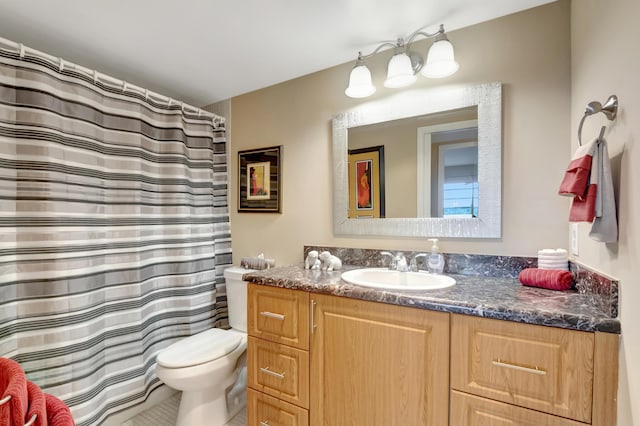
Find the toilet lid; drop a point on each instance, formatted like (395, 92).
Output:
(199, 348)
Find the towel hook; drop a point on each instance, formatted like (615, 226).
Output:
(609, 109)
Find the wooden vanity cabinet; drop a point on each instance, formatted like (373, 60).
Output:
(277, 357)
(377, 364)
(324, 360)
(509, 373)
(346, 361)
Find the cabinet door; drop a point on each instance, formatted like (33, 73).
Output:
(542, 368)
(469, 410)
(264, 410)
(375, 364)
(278, 314)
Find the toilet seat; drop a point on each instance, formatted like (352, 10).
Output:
(200, 348)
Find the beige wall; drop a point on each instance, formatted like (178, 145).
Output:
(534, 67)
(605, 61)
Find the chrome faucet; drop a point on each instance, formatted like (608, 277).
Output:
(413, 265)
(398, 262)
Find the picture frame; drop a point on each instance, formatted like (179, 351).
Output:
(366, 182)
(259, 180)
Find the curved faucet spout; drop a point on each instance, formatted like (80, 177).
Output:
(398, 261)
(401, 263)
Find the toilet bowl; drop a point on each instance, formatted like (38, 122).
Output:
(204, 366)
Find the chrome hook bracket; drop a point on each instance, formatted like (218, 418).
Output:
(609, 109)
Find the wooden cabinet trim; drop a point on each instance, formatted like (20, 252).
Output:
(605, 379)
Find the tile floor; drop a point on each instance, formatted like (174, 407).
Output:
(164, 414)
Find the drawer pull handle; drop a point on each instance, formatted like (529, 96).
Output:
(272, 315)
(272, 373)
(264, 423)
(535, 370)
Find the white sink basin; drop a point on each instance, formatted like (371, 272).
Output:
(388, 279)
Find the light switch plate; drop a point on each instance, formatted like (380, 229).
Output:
(574, 239)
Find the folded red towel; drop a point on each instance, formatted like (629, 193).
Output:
(13, 390)
(552, 279)
(584, 209)
(576, 177)
(37, 413)
(58, 414)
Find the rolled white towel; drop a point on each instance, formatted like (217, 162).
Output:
(559, 252)
(553, 259)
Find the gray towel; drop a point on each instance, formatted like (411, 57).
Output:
(605, 225)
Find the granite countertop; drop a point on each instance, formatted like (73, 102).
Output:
(489, 297)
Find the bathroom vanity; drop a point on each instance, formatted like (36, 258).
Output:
(486, 351)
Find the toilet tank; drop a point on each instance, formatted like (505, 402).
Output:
(237, 297)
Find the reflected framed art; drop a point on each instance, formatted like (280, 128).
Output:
(366, 182)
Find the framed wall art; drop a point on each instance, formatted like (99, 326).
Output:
(259, 180)
(366, 182)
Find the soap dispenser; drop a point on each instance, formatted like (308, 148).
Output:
(435, 263)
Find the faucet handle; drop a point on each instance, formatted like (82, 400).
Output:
(413, 265)
(392, 263)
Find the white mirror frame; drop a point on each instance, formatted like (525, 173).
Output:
(488, 224)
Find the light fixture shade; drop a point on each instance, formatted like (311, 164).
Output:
(440, 60)
(360, 85)
(399, 71)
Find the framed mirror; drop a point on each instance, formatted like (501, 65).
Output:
(442, 164)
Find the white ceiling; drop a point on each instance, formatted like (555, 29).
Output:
(203, 51)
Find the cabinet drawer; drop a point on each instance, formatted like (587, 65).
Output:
(278, 314)
(265, 410)
(543, 368)
(469, 410)
(279, 370)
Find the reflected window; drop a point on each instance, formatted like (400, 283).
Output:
(460, 179)
(448, 170)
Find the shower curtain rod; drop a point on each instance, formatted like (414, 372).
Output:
(97, 76)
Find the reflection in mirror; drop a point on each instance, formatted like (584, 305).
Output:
(441, 169)
(455, 191)
(430, 165)
(366, 182)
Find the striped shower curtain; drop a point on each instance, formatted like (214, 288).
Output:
(114, 231)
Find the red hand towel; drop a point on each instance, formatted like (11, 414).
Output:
(576, 177)
(58, 414)
(37, 405)
(552, 279)
(13, 383)
(584, 210)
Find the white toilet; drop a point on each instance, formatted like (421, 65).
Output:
(203, 366)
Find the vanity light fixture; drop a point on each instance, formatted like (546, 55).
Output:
(405, 64)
